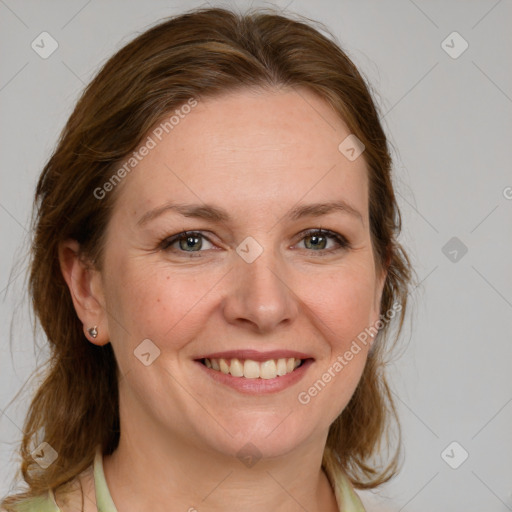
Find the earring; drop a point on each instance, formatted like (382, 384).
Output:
(93, 331)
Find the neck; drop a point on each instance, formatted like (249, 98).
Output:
(155, 472)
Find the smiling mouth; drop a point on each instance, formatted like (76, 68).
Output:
(250, 369)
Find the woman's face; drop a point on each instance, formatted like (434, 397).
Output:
(253, 283)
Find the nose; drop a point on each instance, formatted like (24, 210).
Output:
(260, 296)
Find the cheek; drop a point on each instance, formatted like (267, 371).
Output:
(343, 307)
(149, 301)
(343, 301)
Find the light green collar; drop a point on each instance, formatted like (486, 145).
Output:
(346, 498)
(104, 501)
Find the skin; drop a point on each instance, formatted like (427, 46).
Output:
(256, 154)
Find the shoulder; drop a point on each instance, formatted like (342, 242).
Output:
(79, 495)
(75, 496)
(42, 503)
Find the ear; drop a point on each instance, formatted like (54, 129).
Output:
(86, 288)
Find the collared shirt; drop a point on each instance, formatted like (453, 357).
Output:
(346, 498)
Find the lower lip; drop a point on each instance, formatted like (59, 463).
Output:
(259, 386)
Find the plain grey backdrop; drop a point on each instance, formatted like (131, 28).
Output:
(442, 75)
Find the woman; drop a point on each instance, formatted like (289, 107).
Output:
(215, 265)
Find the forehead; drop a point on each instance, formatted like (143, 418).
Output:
(244, 150)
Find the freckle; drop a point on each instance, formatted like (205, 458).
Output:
(167, 277)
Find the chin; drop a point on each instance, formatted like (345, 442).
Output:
(262, 436)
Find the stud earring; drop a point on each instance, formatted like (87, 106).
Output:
(93, 331)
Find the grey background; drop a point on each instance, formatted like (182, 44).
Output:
(450, 121)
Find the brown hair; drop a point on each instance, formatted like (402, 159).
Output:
(195, 55)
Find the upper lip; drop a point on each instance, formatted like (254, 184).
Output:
(255, 355)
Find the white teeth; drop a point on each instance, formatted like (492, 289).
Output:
(224, 367)
(268, 370)
(252, 369)
(236, 368)
(281, 367)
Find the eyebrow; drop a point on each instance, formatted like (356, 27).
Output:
(216, 214)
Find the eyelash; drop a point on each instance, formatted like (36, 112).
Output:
(343, 243)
